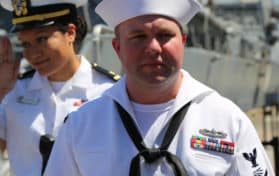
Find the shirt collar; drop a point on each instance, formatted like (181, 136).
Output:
(81, 78)
(189, 90)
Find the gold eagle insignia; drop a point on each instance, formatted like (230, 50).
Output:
(20, 7)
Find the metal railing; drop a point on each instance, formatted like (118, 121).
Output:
(266, 122)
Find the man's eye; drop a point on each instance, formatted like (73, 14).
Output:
(138, 36)
(165, 35)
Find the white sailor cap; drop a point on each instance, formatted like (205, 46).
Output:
(37, 13)
(115, 12)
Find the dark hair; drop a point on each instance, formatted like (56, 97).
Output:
(81, 30)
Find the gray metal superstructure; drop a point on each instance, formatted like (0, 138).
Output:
(232, 46)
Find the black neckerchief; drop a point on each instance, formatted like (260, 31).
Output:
(152, 154)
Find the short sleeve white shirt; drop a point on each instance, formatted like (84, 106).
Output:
(94, 141)
(33, 109)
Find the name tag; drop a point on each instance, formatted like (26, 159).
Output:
(27, 100)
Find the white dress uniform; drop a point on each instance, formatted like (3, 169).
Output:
(93, 140)
(33, 109)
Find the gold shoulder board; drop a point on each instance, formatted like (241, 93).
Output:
(27, 74)
(112, 75)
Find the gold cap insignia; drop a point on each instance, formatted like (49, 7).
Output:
(20, 7)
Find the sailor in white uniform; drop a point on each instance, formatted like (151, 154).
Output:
(157, 120)
(34, 108)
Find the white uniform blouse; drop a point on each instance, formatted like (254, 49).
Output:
(93, 140)
(32, 109)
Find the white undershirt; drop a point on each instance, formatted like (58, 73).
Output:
(151, 119)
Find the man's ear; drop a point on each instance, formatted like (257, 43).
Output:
(72, 32)
(184, 39)
(116, 45)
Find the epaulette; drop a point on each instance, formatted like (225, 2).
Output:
(112, 75)
(27, 74)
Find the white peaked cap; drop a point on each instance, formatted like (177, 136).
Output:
(115, 12)
(7, 4)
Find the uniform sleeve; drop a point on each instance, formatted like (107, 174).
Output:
(62, 160)
(250, 156)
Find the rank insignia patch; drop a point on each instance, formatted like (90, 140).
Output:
(204, 143)
(252, 158)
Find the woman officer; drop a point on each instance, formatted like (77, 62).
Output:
(33, 108)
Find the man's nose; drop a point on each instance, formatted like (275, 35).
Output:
(154, 46)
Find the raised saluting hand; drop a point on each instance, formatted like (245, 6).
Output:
(9, 67)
